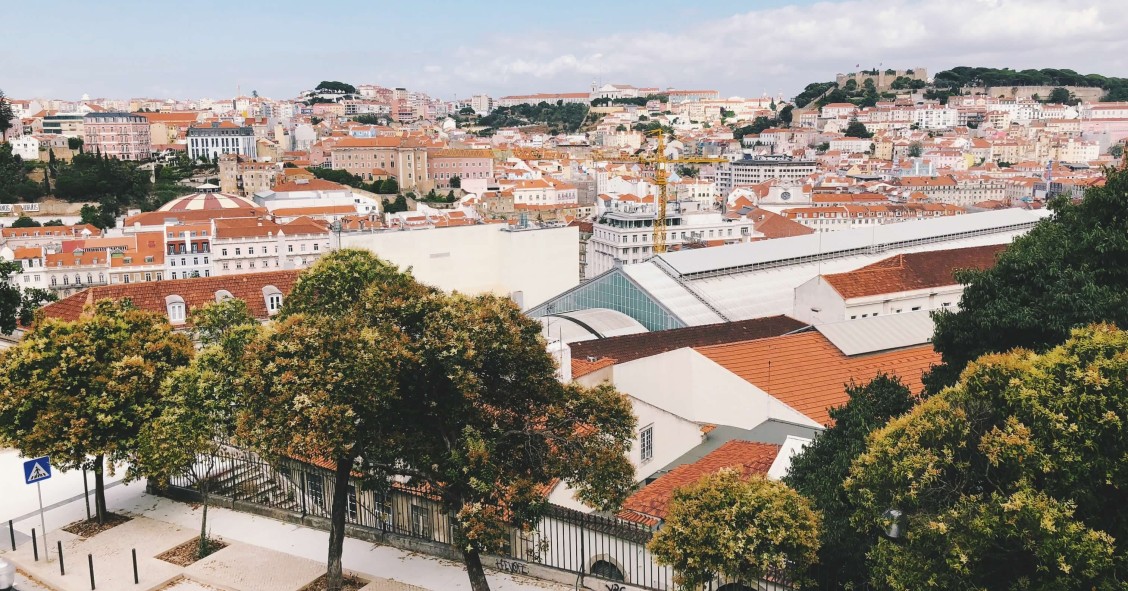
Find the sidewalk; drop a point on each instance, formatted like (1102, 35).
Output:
(263, 555)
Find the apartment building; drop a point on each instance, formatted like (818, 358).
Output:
(403, 158)
(245, 177)
(445, 164)
(124, 136)
(755, 170)
(623, 233)
(211, 139)
(247, 245)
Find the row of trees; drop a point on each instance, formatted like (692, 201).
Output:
(558, 117)
(387, 186)
(365, 368)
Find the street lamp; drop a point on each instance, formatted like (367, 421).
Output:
(336, 227)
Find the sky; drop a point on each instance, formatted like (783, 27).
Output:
(456, 48)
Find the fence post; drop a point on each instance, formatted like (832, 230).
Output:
(90, 563)
(34, 545)
(12, 533)
(134, 552)
(62, 568)
(303, 493)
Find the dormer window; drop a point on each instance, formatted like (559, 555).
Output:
(273, 297)
(177, 312)
(223, 295)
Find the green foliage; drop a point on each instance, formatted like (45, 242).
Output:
(98, 216)
(368, 119)
(819, 470)
(400, 204)
(564, 118)
(758, 125)
(18, 307)
(376, 372)
(6, 114)
(962, 76)
(916, 149)
(1013, 479)
(75, 143)
(14, 184)
(315, 120)
(334, 86)
(741, 529)
(76, 389)
(812, 92)
(786, 115)
(1062, 96)
(638, 100)
(1066, 272)
(857, 129)
(114, 184)
(54, 222)
(456, 182)
(652, 127)
(347, 178)
(1116, 150)
(687, 171)
(25, 222)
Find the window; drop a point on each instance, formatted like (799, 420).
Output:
(315, 487)
(250, 250)
(176, 309)
(238, 251)
(646, 444)
(350, 504)
(289, 248)
(915, 308)
(420, 522)
(224, 252)
(273, 299)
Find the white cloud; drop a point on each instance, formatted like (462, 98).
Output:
(783, 48)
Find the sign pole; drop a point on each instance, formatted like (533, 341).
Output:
(42, 523)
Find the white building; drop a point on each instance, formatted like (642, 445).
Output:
(215, 138)
(481, 103)
(905, 283)
(624, 230)
(528, 265)
(753, 171)
(26, 147)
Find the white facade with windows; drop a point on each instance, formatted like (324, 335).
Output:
(212, 139)
(753, 171)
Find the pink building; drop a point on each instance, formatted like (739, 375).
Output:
(124, 136)
(443, 165)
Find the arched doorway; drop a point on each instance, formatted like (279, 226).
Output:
(607, 570)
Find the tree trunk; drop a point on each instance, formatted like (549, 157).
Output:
(474, 568)
(337, 523)
(202, 546)
(99, 489)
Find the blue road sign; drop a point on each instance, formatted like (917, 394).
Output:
(37, 469)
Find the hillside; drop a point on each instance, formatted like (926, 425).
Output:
(949, 82)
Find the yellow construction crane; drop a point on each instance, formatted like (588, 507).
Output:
(661, 165)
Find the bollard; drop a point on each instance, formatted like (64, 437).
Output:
(62, 569)
(134, 551)
(12, 532)
(90, 561)
(35, 545)
(86, 494)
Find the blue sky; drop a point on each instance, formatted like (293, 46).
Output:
(454, 48)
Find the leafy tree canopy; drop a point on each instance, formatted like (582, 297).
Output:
(25, 222)
(819, 470)
(1013, 479)
(76, 389)
(742, 529)
(857, 129)
(334, 86)
(1066, 272)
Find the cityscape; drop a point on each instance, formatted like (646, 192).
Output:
(814, 295)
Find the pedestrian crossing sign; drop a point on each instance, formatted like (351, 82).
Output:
(37, 469)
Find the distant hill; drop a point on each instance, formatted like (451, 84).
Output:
(949, 82)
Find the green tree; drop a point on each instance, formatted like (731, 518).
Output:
(857, 129)
(81, 391)
(6, 115)
(25, 222)
(199, 402)
(786, 115)
(1064, 273)
(54, 222)
(742, 529)
(97, 216)
(322, 383)
(1060, 96)
(819, 471)
(1013, 479)
(367, 119)
(1116, 151)
(18, 307)
(335, 86)
(916, 149)
(456, 182)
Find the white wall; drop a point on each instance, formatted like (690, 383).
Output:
(817, 294)
(483, 258)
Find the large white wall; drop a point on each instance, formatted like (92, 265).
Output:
(536, 264)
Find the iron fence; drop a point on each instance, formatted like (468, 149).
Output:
(611, 551)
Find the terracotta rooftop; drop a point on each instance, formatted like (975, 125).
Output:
(907, 272)
(651, 503)
(625, 348)
(313, 184)
(196, 293)
(806, 372)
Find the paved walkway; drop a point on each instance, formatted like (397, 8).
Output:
(263, 555)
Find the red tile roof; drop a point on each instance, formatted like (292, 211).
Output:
(906, 272)
(196, 292)
(652, 502)
(808, 373)
(622, 349)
